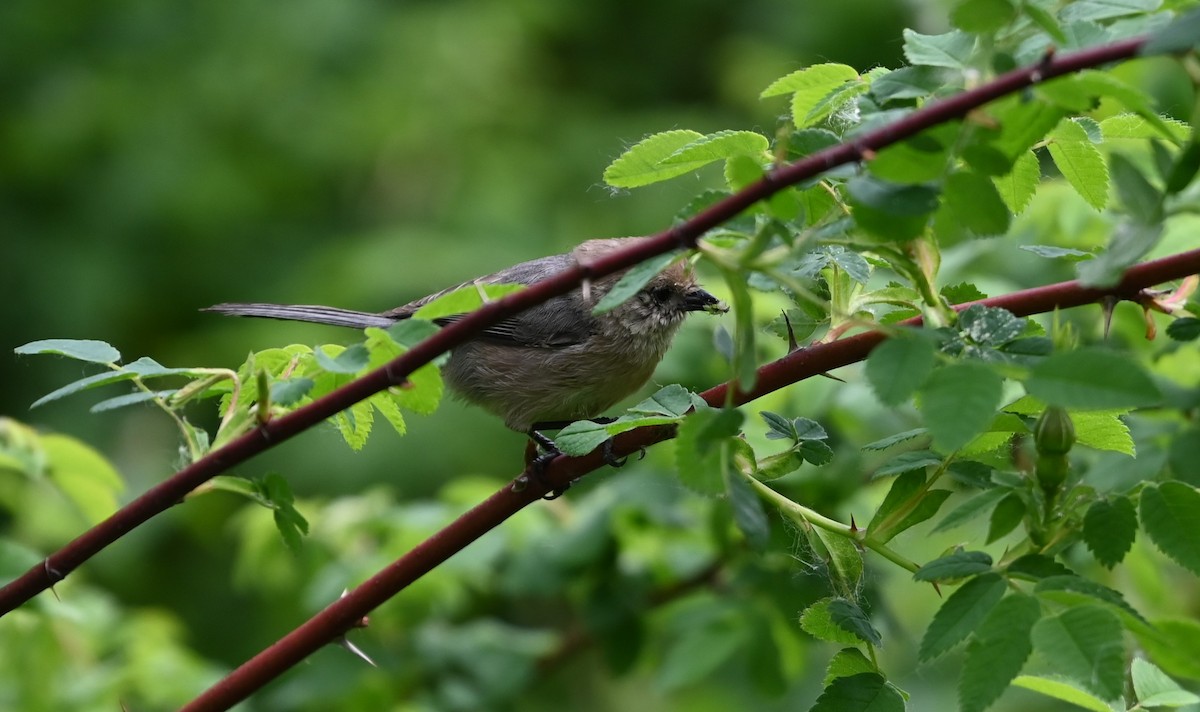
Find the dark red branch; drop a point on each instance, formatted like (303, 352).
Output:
(171, 491)
(332, 622)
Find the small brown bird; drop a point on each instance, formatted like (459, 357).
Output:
(557, 362)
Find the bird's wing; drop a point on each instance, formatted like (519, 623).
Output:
(557, 323)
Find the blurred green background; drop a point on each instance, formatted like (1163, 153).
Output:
(157, 158)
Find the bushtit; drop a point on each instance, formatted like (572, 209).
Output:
(557, 361)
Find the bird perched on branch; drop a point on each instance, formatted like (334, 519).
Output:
(556, 362)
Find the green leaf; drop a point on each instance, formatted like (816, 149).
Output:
(422, 392)
(354, 424)
(642, 163)
(291, 524)
(1080, 162)
(1005, 517)
(745, 365)
(1139, 198)
(1036, 566)
(817, 621)
(351, 360)
(1154, 689)
(1092, 379)
(997, 651)
(1184, 329)
(848, 616)
(1109, 528)
(82, 474)
(902, 200)
(671, 400)
(845, 560)
(898, 366)
(990, 326)
(1074, 587)
(809, 86)
(130, 399)
(701, 650)
(959, 401)
(907, 462)
(719, 146)
(906, 83)
(1182, 34)
(1016, 188)
(952, 49)
(902, 500)
(975, 203)
(1130, 241)
(847, 662)
(982, 16)
(1052, 252)
(885, 443)
(1169, 512)
(79, 349)
(974, 507)
(697, 447)
(962, 614)
(1106, 9)
(1084, 643)
(956, 565)
(581, 437)
(864, 692)
(1183, 455)
(1064, 691)
(289, 392)
(465, 299)
(834, 100)
(748, 512)
(632, 282)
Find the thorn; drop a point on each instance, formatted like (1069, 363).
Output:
(830, 376)
(1039, 72)
(356, 651)
(937, 589)
(1108, 304)
(853, 525)
(793, 346)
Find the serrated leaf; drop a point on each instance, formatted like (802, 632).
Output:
(952, 49)
(1077, 586)
(642, 165)
(864, 692)
(350, 360)
(1080, 162)
(83, 476)
(1184, 329)
(581, 437)
(998, 651)
(885, 443)
(982, 16)
(959, 401)
(1154, 689)
(908, 461)
(1129, 242)
(748, 512)
(956, 565)
(896, 199)
(845, 560)
(961, 614)
(1064, 691)
(1106, 9)
(632, 282)
(906, 83)
(1109, 528)
(975, 202)
(79, 349)
(670, 400)
(1036, 566)
(847, 662)
(465, 299)
(354, 424)
(817, 621)
(828, 104)
(1005, 517)
(897, 367)
(288, 392)
(1084, 643)
(990, 326)
(809, 86)
(974, 507)
(697, 447)
(719, 146)
(1181, 34)
(1169, 512)
(1052, 252)
(1139, 198)
(848, 616)
(130, 399)
(1016, 188)
(1092, 379)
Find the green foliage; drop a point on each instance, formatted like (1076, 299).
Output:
(964, 467)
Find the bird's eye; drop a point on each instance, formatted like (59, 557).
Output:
(661, 294)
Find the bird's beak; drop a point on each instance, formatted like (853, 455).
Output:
(700, 300)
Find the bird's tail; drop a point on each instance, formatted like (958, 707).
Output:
(305, 312)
